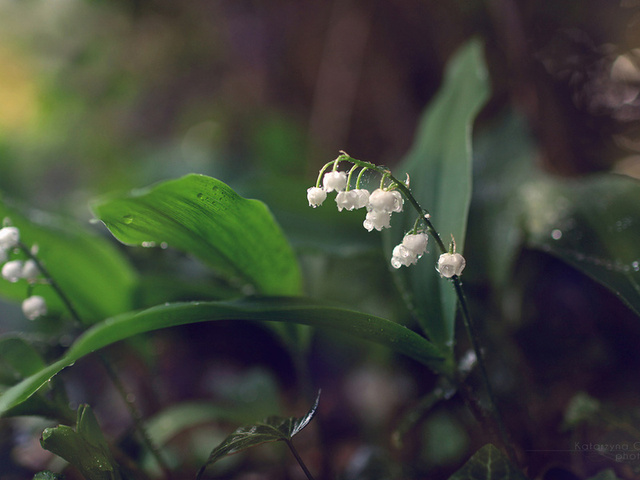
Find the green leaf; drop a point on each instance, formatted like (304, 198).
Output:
(439, 167)
(272, 429)
(20, 356)
(85, 448)
(488, 463)
(204, 217)
(47, 475)
(294, 310)
(592, 224)
(87, 267)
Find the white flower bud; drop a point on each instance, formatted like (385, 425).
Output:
(362, 198)
(334, 181)
(377, 219)
(316, 196)
(450, 264)
(402, 256)
(416, 243)
(34, 307)
(30, 270)
(9, 237)
(346, 200)
(12, 271)
(385, 201)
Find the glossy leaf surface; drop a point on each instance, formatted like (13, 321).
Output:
(488, 463)
(591, 223)
(88, 268)
(439, 168)
(272, 429)
(271, 309)
(204, 217)
(85, 448)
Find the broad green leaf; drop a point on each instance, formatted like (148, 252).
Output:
(488, 463)
(293, 310)
(85, 448)
(47, 475)
(591, 223)
(439, 168)
(88, 268)
(202, 216)
(272, 429)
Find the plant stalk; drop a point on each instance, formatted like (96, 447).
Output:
(299, 459)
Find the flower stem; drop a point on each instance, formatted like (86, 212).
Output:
(111, 371)
(299, 459)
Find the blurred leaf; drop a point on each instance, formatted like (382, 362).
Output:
(592, 224)
(439, 167)
(272, 429)
(503, 162)
(204, 217)
(90, 271)
(16, 353)
(608, 474)
(294, 310)
(85, 448)
(488, 463)
(47, 475)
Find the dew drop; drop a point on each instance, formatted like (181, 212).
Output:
(128, 219)
(636, 266)
(200, 196)
(164, 245)
(556, 234)
(148, 244)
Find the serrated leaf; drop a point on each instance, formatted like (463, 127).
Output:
(85, 448)
(272, 429)
(81, 262)
(439, 167)
(293, 310)
(204, 217)
(488, 463)
(592, 224)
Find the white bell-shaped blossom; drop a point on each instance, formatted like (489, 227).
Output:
(377, 219)
(33, 307)
(402, 256)
(316, 196)
(385, 201)
(416, 243)
(12, 271)
(450, 264)
(30, 270)
(352, 199)
(9, 237)
(334, 181)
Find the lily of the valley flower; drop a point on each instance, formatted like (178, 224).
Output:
(334, 180)
(407, 253)
(33, 307)
(315, 196)
(9, 238)
(352, 199)
(450, 264)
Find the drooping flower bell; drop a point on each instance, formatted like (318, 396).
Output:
(407, 253)
(33, 307)
(450, 264)
(9, 237)
(316, 196)
(387, 201)
(377, 219)
(334, 180)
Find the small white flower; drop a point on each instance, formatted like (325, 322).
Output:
(362, 198)
(450, 264)
(12, 271)
(9, 237)
(334, 181)
(30, 270)
(385, 201)
(377, 219)
(316, 196)
(416, 243)
(34, 307)
(346, 200)
(402, 256)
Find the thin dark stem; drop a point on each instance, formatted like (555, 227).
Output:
(113, 374)
(299, 459)
(475, 343)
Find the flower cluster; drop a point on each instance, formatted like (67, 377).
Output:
(380, 204)
(14, 270)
